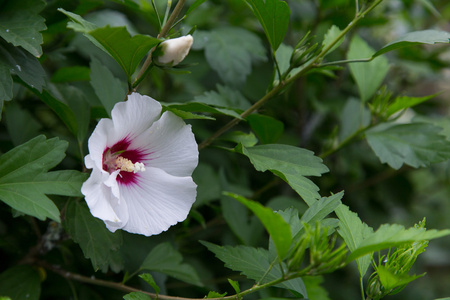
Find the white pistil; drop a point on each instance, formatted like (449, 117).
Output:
(127, 165)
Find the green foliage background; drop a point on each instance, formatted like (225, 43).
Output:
(284, 116)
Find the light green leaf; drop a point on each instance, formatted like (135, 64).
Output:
(314, 288)
(246, 139)
(330, 36)
(289, 163)
(126, 50)
(391, 235)
(367, 75)
(165, 259)
(404, 102)
(136, 296)
(186, 115)
(254, 263)
(230, 51)
(20, 24)
(212, 294)
(24, 181)
(354, 231)
(149, 279)
(108, 88)
(278, 229)
(267, 129)
(235, 285)
(97, 242)
(416, 38)
(391, 281)
(354, 116)
(16, 61)
(274, 18)
(20, 282)
(322, 208)
(415, 144)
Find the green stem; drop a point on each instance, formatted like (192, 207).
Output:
(164, 31)
(346, 61)
(344, 142)
(280, 87)
(362, 287)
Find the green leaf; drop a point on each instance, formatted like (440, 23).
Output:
(354, 231)
(404, 102)
(367, 75)
(330, 36)
(278, 229)
(97, 242)
(24, 181)
(21, 124)
(273, 15)
(235, 285)
(246, 139)
(230, 51)
(391, 235)
(254, 263)
(415, 144)
(186, 115)
(314, 288)
(200, 107)
(416, 38)
(290, 164)
(267, 129)
(16, 61)
(126, 50)
(136, 296)
(354, 116)
(149, 279)
(70, 74)
(20, 24)
(20, 282)
(108, 88)
(165, 259)
(322, 208)
(212, 294)
(194, 5)
(6, 84)
(225, 97)
(391, 281)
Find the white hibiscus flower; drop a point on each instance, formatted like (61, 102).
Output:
(141, 164)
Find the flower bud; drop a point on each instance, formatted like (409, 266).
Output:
(172, 52)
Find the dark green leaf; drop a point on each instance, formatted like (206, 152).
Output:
(24, 181)
(97, 242)
(415, 144)
(186, 115)
(354, 231)
(20, 24)
(225, 97)
(136, 296)
(194, 5)
(404, 102)
(367, 75)
(246, 139)
(274, 18)
(254, 263)
(108, 88)
(70, 74)
(201, 107)
(126, 50)
(278, 229)
(21, 124)
(230, 51)
(267, 129)
(391, 235)
(289, 163)
(149, 279)
(165, 259)
(6, 83)
(354, 116)
(208, 186)
(21, 282)
(415, 38)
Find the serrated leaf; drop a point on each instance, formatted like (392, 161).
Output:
(25, 182)
(20, 282)
(246, 139)
(391, 235)
(330, 36)
(149, 279)
(235, 285)
(225, 97)
(404, 102)
(108, 88)
(230, 51)
(21, 63)
(415, 144)
(289, 163)
(126, 50)
(273, 15)
(415, 38)
(390, 280)
(267, 129)
(165, 259)
(278, 229)
(367, 75)
(254, 263)
(354, 231)
(136, 296)
(20, 24)
(212, 294)
(97, 242)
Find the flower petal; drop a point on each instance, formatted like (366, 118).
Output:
(171, 145)
(133, 117)
(159, 201)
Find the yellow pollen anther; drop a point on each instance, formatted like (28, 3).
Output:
(127, 165)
